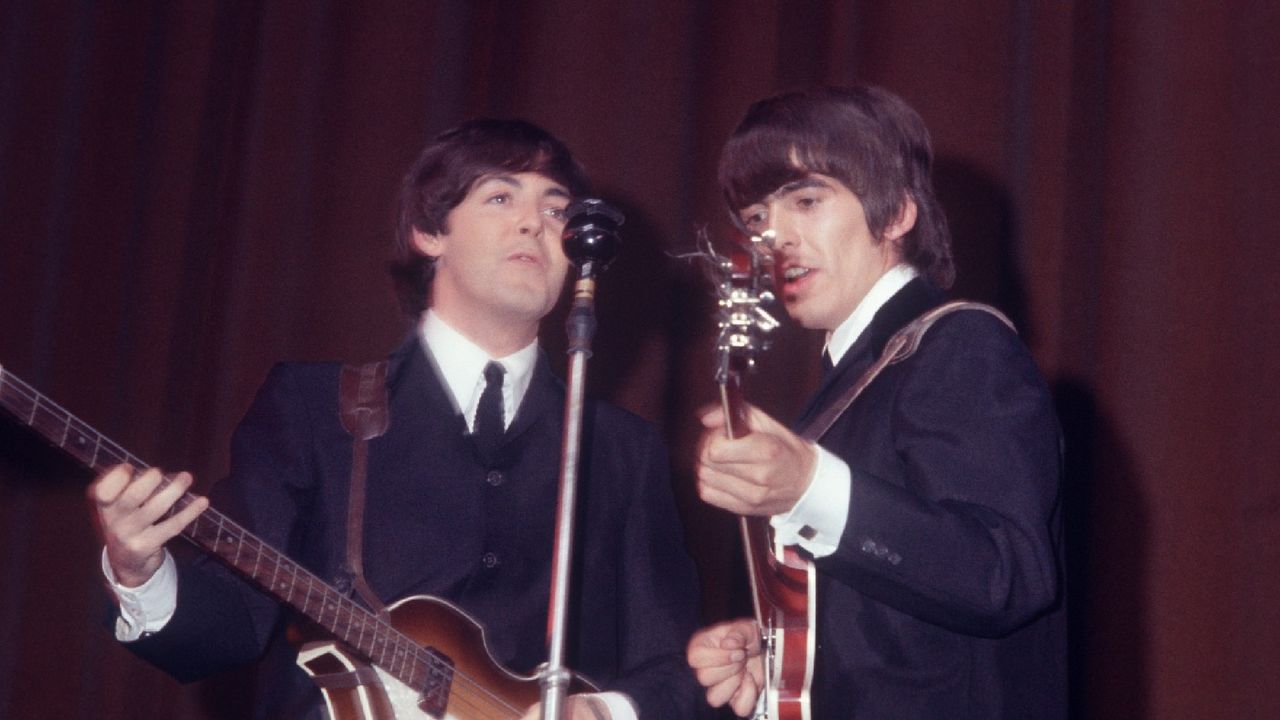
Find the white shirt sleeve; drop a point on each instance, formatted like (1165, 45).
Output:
(146, 608)
(817, 520)
(620, 706)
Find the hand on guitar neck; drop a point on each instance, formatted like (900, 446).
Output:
(133, 517)
(727, 660)
(761, 472)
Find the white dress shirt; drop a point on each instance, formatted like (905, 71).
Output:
(461, 364)
(817, 520)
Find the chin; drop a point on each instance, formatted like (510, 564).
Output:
(528, 307)
(798, 315)
(808, 321)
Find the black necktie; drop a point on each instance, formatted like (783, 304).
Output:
(490, 423)
(827, 366)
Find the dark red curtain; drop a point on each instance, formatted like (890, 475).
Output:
(190, 191)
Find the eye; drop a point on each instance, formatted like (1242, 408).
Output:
(555, 212)
(502, 198)
(806, 202)
(754, 218)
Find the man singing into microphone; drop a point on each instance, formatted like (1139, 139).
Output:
(931, 506)
(461, 489)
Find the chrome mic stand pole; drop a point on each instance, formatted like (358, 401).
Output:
(590, 241)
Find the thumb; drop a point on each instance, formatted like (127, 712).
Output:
(711, 416)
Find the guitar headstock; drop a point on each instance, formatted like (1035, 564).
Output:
(744, 287)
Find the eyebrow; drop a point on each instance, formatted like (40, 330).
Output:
(802, 183)
(553, 191)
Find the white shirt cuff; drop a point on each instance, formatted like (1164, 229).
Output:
(620, 706)
(147, 608)
(817, 520)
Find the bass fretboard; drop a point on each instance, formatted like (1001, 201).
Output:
(364, 631)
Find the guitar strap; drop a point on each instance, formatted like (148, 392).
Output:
(362, 393)
(901, 346)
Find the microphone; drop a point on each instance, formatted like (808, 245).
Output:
(590, 235)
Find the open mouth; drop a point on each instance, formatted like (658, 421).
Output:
(795, 273)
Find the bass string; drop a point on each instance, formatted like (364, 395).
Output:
(468, 690)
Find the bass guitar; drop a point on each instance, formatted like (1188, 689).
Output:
(424, 658)
(782, 581)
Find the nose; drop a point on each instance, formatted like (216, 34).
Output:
(778, 237)
(528, 218)
(531, 221)
(770, 239)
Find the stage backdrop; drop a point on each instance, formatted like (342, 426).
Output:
(190, 191)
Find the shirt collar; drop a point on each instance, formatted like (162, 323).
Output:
(847, 333)
(461, 365)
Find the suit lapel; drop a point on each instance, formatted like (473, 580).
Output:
(414, 385)
(915, 298)
(544, 396)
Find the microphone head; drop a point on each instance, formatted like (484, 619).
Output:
(590, 234)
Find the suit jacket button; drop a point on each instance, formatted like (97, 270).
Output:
(489, 560)
(495, 478)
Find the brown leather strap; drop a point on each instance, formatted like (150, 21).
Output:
(362, 394)
(901, 346)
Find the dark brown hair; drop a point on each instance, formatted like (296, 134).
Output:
(448, 168)
(865, 137)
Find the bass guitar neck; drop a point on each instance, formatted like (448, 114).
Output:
(429, 658)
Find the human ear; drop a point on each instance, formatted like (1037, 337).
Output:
(428, 244)
(904, 222)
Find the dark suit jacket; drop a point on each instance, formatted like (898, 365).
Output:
(944, 597)
(441, 521)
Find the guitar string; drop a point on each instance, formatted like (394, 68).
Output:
(41, 401)
(418, 654)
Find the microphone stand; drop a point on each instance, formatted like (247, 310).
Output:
(590, 242)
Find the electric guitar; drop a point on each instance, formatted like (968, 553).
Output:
(782, 581)
(424, 659)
